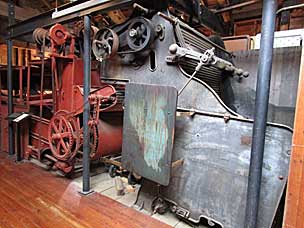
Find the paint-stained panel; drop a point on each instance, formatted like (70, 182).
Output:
(148, 131)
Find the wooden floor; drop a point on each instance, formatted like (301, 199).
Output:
(32, 197)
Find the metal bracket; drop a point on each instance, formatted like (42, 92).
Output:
(206, 58)
(86, 193)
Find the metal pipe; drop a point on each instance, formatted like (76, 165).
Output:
(41, 90)
(11, 20)
(86, 111)
(260, 117)
(236, 6)
(290, 8)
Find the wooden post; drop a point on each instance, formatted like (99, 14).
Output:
(294, 205)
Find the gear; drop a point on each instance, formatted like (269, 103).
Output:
(64, 136)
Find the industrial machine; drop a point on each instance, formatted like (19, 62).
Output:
(53, 95)
(161, 96)
(182, 133)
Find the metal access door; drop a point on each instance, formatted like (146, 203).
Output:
(148, 130)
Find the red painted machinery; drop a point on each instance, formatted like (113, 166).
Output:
(56, 132)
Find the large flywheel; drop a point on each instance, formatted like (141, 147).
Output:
(64, 136)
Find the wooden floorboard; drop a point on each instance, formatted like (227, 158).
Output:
(31, 197)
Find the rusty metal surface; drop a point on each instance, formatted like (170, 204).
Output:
(148, 131)
(109, 132)
(283, 88)
(212, 183)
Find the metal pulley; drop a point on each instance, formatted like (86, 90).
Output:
(64, 136)
(58, 34)
(141, 34)
(62, 41)
(79, 30)
(105, 44)
(39, 35)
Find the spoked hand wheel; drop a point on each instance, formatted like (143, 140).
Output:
(64, 136)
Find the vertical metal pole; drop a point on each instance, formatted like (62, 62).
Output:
(261, 108)
(86, 111)
(11, 20)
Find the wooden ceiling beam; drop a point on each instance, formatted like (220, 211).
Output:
(247, 15)
(20, 13)
(47, 4)
(226, 15)
(222, 2)
(255, 6)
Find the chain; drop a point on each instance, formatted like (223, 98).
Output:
(93, 125)
(97, 101)
(95, 108)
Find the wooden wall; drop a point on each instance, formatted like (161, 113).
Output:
(294, 204)
(253, 26)
(21, 56)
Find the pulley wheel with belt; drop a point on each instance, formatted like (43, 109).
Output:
(105, 44)
(141, 34)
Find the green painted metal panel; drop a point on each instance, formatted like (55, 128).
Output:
(148, 130)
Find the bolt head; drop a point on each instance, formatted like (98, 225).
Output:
(132, 33)
(173, 48)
